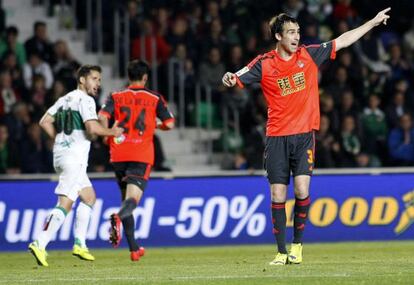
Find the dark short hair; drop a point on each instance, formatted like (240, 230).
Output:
(38, 24)
(137, 69)
(84, 70)
(277, 22)
(12, 30)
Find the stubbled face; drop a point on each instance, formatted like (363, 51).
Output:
(289, 39)
(92, 82)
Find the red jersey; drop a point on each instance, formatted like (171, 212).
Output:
(290, 87)
(136, 109)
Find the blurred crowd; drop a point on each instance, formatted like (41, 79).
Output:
(366, 94)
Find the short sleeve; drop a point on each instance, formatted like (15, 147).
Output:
(322, 52)
(87, 109)
(53, 109)
(163, 113)
(251, 73)
(107, 109)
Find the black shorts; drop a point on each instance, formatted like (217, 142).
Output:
(132, 172)
(289, 154)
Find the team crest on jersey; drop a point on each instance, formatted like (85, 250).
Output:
(324, 45)
(242, 71)
(300, 64)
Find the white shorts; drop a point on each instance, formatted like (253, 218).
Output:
(72, 179)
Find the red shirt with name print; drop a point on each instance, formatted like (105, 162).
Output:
(290, 87)
(136, 109)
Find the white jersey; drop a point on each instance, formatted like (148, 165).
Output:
(71, 112)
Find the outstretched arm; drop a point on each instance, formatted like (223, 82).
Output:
(348, 38)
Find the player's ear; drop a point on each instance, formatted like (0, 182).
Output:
(278, 36)
(82, 80)
(145, 78)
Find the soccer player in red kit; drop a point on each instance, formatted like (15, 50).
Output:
(132, 155)
(289, 79)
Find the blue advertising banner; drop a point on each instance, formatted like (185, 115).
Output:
(220, 210)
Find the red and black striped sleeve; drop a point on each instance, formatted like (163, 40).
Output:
(163, 113)
(322, 52)
(251, 73)
(107, 108)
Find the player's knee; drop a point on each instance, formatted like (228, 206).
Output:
(88, 197)
(301, 191)
(91, 199)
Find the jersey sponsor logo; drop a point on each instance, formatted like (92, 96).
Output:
(300, 64)
(242, 71)
(285, 85)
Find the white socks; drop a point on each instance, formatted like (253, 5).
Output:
(83, 215)
(54, 222)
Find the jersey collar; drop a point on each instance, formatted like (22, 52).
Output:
(134, 87)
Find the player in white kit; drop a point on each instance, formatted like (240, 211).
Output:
(72, 122)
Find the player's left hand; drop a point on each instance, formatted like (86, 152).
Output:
(381, 17)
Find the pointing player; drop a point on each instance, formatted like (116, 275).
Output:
(289, 79)
(136, 108)
(70, 121)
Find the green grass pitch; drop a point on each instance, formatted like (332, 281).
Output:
(328, 263)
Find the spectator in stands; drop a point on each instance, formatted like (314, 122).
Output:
(38, 97)
(9, 155)
(58, 90)
(135, 18)
(366, 160)
(350, 142)
(64, 66)
(401, 142)
(265, 42)
(408, 42)
(235, 60)
(343, 10)
(240, 161)
(180, 34)
(39, 43)
(211, 71)
(36, 156)
(371, 52)
(212, 11)
(326, 145)
(400, 67)
(339, 84)
(8, 96)
(10, 44)
(146, 40)
(215, 37)
(374, 126)
(17, 122)
(34, 66)
(403, 86)
(162, 21)
(328, 108)
(396, 109)
(349, 107)
(9, 62)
